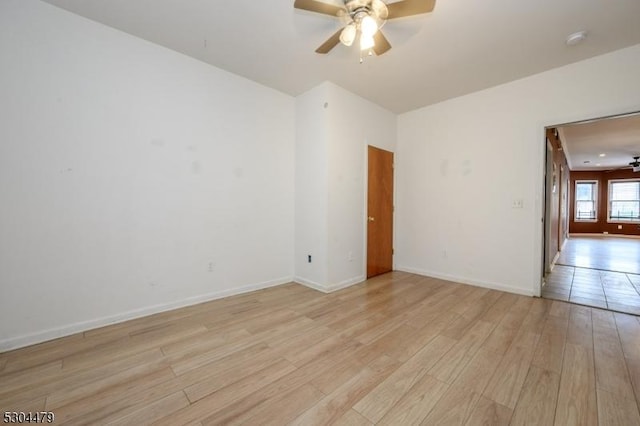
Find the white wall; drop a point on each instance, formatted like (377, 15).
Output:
(461, 163)
(333, 129)
(354, 124)
(311, 188)
(133, 179)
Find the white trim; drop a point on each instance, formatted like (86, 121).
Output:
(555, 259)
(564, 243)
(330, 288)
(469, 281)
(346, 283)
(79, 327)
(311, 284)
(598, 235)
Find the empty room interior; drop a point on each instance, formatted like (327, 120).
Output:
(308, 212)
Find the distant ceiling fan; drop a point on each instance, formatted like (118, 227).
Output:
(634, 165)
(364, 18)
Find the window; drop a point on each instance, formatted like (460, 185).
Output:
(586, 200)
(624, 201)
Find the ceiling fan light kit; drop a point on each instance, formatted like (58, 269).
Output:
(366, 42)
(364, 18)
(348, 34)
(368, 26)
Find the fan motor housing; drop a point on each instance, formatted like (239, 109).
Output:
(356, 4)
(357, 9)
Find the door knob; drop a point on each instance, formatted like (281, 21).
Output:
(371, 218)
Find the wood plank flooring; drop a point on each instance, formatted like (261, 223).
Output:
(615, 291)
(398, 349)
(617, 254)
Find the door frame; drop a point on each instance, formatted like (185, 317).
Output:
(546, 220)
(539, 224)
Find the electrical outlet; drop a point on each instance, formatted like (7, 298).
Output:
(350, 256)
(517, 203)
(619, 226)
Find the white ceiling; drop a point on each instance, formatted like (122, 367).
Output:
(618, 138)
(461, 47)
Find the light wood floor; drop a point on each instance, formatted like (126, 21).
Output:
(605, 253)
(399, 349)
(616, 291)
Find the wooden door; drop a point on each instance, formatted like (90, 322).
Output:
(380, 212)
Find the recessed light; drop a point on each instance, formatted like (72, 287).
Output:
(598, 164)
(602, 155)
(575, 38)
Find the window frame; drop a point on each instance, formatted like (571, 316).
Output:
(595, 182)
(609, 201)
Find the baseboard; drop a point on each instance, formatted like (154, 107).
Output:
(464, 280)
(604, 235)
(564, 243)
(331, 287)
(311, 284)
(346, 283)
(55, 333)
(553, 262)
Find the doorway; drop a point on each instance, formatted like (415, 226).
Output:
(379, 212)
(595, 261)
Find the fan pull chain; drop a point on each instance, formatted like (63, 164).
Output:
(370, 53)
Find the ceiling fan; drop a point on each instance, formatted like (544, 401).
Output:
(634, 165)
(364, 18)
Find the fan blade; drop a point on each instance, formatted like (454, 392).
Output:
(330, 43)
(319, 7)
(618, 169)
(381, 43)
(410, 7)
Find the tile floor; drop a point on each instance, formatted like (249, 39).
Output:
(616, 291)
